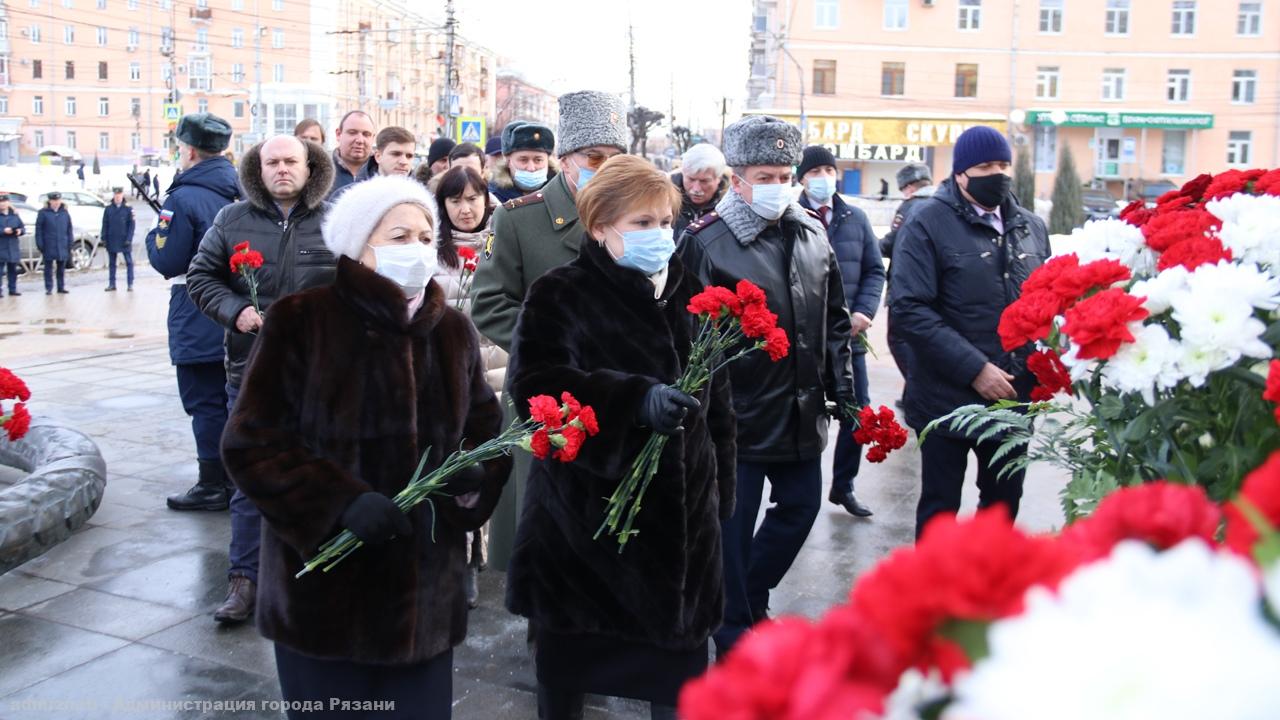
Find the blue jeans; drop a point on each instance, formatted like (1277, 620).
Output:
(848, 454)
(246, 523)
(128, 265)
(755, 561)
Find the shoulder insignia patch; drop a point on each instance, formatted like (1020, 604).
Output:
(160, 241)
(702, 223)
(488, 246)
(165, 217)
(530, 199)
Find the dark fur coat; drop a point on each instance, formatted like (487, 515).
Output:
(595, 329)
(342, 394)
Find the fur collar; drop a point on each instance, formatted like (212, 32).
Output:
(746, 225)
(380, 302)
(502, 178)
(313, 193)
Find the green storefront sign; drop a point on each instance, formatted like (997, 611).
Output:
(1121, 118)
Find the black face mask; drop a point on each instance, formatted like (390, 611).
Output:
(989, 191)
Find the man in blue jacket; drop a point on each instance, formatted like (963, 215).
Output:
(11, 228)
(117, 235)
(959, 261)
(207, 183)
(54, 236)
(862, 272)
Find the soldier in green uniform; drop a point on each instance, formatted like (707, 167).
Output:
(531, 235)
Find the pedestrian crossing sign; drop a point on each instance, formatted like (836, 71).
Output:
(471, 130)
(172, 112)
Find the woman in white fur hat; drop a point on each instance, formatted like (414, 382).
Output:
(347, 386)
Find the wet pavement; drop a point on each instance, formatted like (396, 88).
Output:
(115, 622)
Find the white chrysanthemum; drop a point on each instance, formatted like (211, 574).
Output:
(1250, 227)
(1139, 635)
(1195, 362)
(1271, 584)
(1148, 364)
(1160, 290)
(1077, 368)
(1242, 279)
(1216, 316)
(1115, 239)
(915, 689)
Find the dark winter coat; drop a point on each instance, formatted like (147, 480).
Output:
(688, 210)
(10, 245)
(503, 183)
(781, 406)
(117, 227)
(953, 277)
(54, 233)
(594, 328)
(858, 252)
(342, 177)
(194, 199)
(905, 208)
(342, 395)
(293, 251)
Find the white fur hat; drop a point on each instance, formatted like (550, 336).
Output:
(361, 206)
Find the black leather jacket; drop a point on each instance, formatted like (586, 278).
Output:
(781, 407)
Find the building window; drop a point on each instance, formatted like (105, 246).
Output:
(104, 141)
(893, 78)
(34, 3)
(133, 37)
(4, 104)
(37, 137)
(1239, 147)
(1249, 21)
(1050, 16)
(135, 141)
(69, 34)
(202, 105)
(71, 69)
(1174, 153)
(131, 4)
(69, 4)
(1117, 17)
(1178, 86)
(970, 17)
(824, 77)
(277, 72)
(1244, 86)
(135, 107)
(37, 69)
(102, 70)
(104, 107)
(1113, 84)
(1046, 148)
(102, 36)
(237, 72)
(1184, 17)
(37, 106)
(202, 40)
(966, 80)
(198, 74)
(71, 139)
(135, 71)
(237, 109)
(278, 6)
(237, 37)
(71, 105)
(826, 14)
(277, 38)
(237, 4)
(102, 4)
(286, 117)
(1047, 79)
(33, 34)
(895, 14)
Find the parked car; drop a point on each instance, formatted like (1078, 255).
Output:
(1098, 204)
(82, 250)
(1149, 190)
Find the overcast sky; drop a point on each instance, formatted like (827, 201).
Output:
(568, 45)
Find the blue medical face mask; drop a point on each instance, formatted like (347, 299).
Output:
(584, 176)
(530, 179)
(648, 251)
(821, 188)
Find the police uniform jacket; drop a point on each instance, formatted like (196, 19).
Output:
(54, 233)
(117, 227)
(10, 245)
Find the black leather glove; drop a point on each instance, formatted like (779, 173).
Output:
(844, 409)
(664, 408)
(468, 479)
(375, 519)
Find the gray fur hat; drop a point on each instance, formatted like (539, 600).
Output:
(589, 117)
(762, 140)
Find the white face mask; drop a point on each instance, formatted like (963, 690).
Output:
(771, 200)
(821, 188)
(410, 265)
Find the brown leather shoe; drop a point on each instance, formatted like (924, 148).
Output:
(241, 596)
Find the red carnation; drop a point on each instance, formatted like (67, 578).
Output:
(1231, 182)
(715, 301)
(1160, 513)
(1268, 184)
(540, 444)
(18, 423)
(1165, 231)
(1136, 213)
(12, 387)
(757, 321)
(1261, 489)
(1028, 319)
(587, 416)
(466, 252)
(1100, 324)
(544, 409)
(1043, 277)
(1075, 284)
(1051, 374)
(1272, 393)
(1195, 187)
(574, 437)
(571, 404)
(749, 293)
(241, 247)
(777, 344)
(1192, 253)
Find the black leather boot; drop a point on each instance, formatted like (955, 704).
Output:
(211, 491)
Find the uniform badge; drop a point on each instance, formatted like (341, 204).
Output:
(488, 246)
(160, 240)
(165, 217)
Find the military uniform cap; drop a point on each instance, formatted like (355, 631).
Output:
(204, 131)
(521, 135)
(762, 140)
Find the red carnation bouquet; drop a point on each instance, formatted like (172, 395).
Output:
(880, 431)
(16, 420)
(245, 262)
(555, 429)
(732, 324)
(470, 261)
(982, 620)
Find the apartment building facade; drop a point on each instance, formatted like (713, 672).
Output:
(518, 99)
(1139, 90)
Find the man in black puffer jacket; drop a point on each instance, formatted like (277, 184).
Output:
(862, 271)
(285, 181)
(960, 260)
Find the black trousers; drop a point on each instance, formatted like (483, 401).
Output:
(203, 389)
(847, 458)
(898, 348)
(943, 461)
(52, 267)
(411, 692)
(11, 274)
